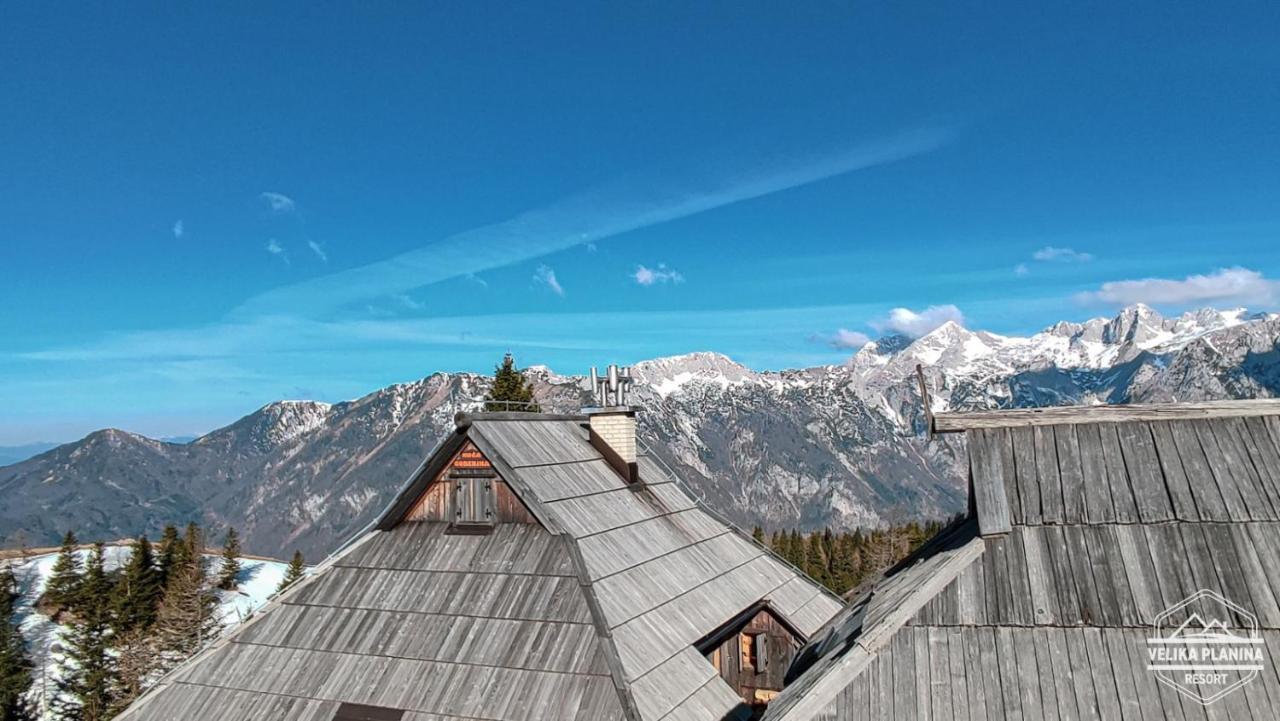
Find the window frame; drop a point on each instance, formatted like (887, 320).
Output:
(479, 487)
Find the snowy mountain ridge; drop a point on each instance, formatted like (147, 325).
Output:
(840, 445)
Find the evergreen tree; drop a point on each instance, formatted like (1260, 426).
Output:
(137, 590)
(169, 542)
(758, 534)
(192, 546)
(844, 564)
(185, 619)
(89, 676)
(15, 667)
(816, 560)
(799, 551)
(136, 661)
(63, 587)
(230, 561)
(295, 572)
(509, 391)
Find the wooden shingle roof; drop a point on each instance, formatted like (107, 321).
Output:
(1085, 526)
(591, 613)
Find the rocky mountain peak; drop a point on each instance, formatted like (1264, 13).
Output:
(273, 425)
(1137, 324)
(668, 375)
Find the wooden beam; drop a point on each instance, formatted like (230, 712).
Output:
(928, 402)
(956, 422)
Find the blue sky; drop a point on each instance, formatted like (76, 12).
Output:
(202, 210)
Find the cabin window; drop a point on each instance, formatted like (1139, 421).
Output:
(360, 712)
(753, 652)
(473, 502)
(473, 481)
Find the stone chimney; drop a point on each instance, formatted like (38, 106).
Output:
(612, 423)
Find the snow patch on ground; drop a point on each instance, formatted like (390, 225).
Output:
(257, 581)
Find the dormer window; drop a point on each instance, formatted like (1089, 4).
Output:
(473, 479)
(752, 651)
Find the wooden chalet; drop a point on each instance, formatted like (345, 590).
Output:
(534, 567)
(1088, 528)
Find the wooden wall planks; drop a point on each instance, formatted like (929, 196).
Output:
(1031, 674)
(1222, 469)
(1111, 575)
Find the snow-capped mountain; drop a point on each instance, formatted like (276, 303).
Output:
(838, 445)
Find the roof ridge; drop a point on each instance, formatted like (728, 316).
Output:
(464, 418)
(956, 421)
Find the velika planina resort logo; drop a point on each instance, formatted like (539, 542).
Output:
(1206, 647)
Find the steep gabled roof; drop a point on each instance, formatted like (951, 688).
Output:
(592, 613)
(1086, 525)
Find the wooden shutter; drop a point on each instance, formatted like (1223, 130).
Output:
(474, 502)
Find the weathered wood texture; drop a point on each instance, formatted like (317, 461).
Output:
(1058, 415)
(990, 470)
(1068, 674)
(1129, 574)
(1223, 469)
(437, 503)
(420, 620)
(1109, 524)
(663, 571)
(835, 656)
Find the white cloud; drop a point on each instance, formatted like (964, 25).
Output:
(591, 246)
(546, 276)
(274, 248)
(913, 324)
(409, 302)
(318, 250)
(1021, 270)
(848, 339)
(1050, 254)
(279, 202)
(661, 274)
(178, 230)
(1233, 285)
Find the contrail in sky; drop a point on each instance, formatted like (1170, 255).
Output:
(575, 221)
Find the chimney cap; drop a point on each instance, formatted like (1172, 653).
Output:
(610, 390)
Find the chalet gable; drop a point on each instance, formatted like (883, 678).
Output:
(519, 575)
(470, 495)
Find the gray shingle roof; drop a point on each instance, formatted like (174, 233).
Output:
(590, 615)
(1086, 527)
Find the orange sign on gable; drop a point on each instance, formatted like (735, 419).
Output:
(471, 458)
